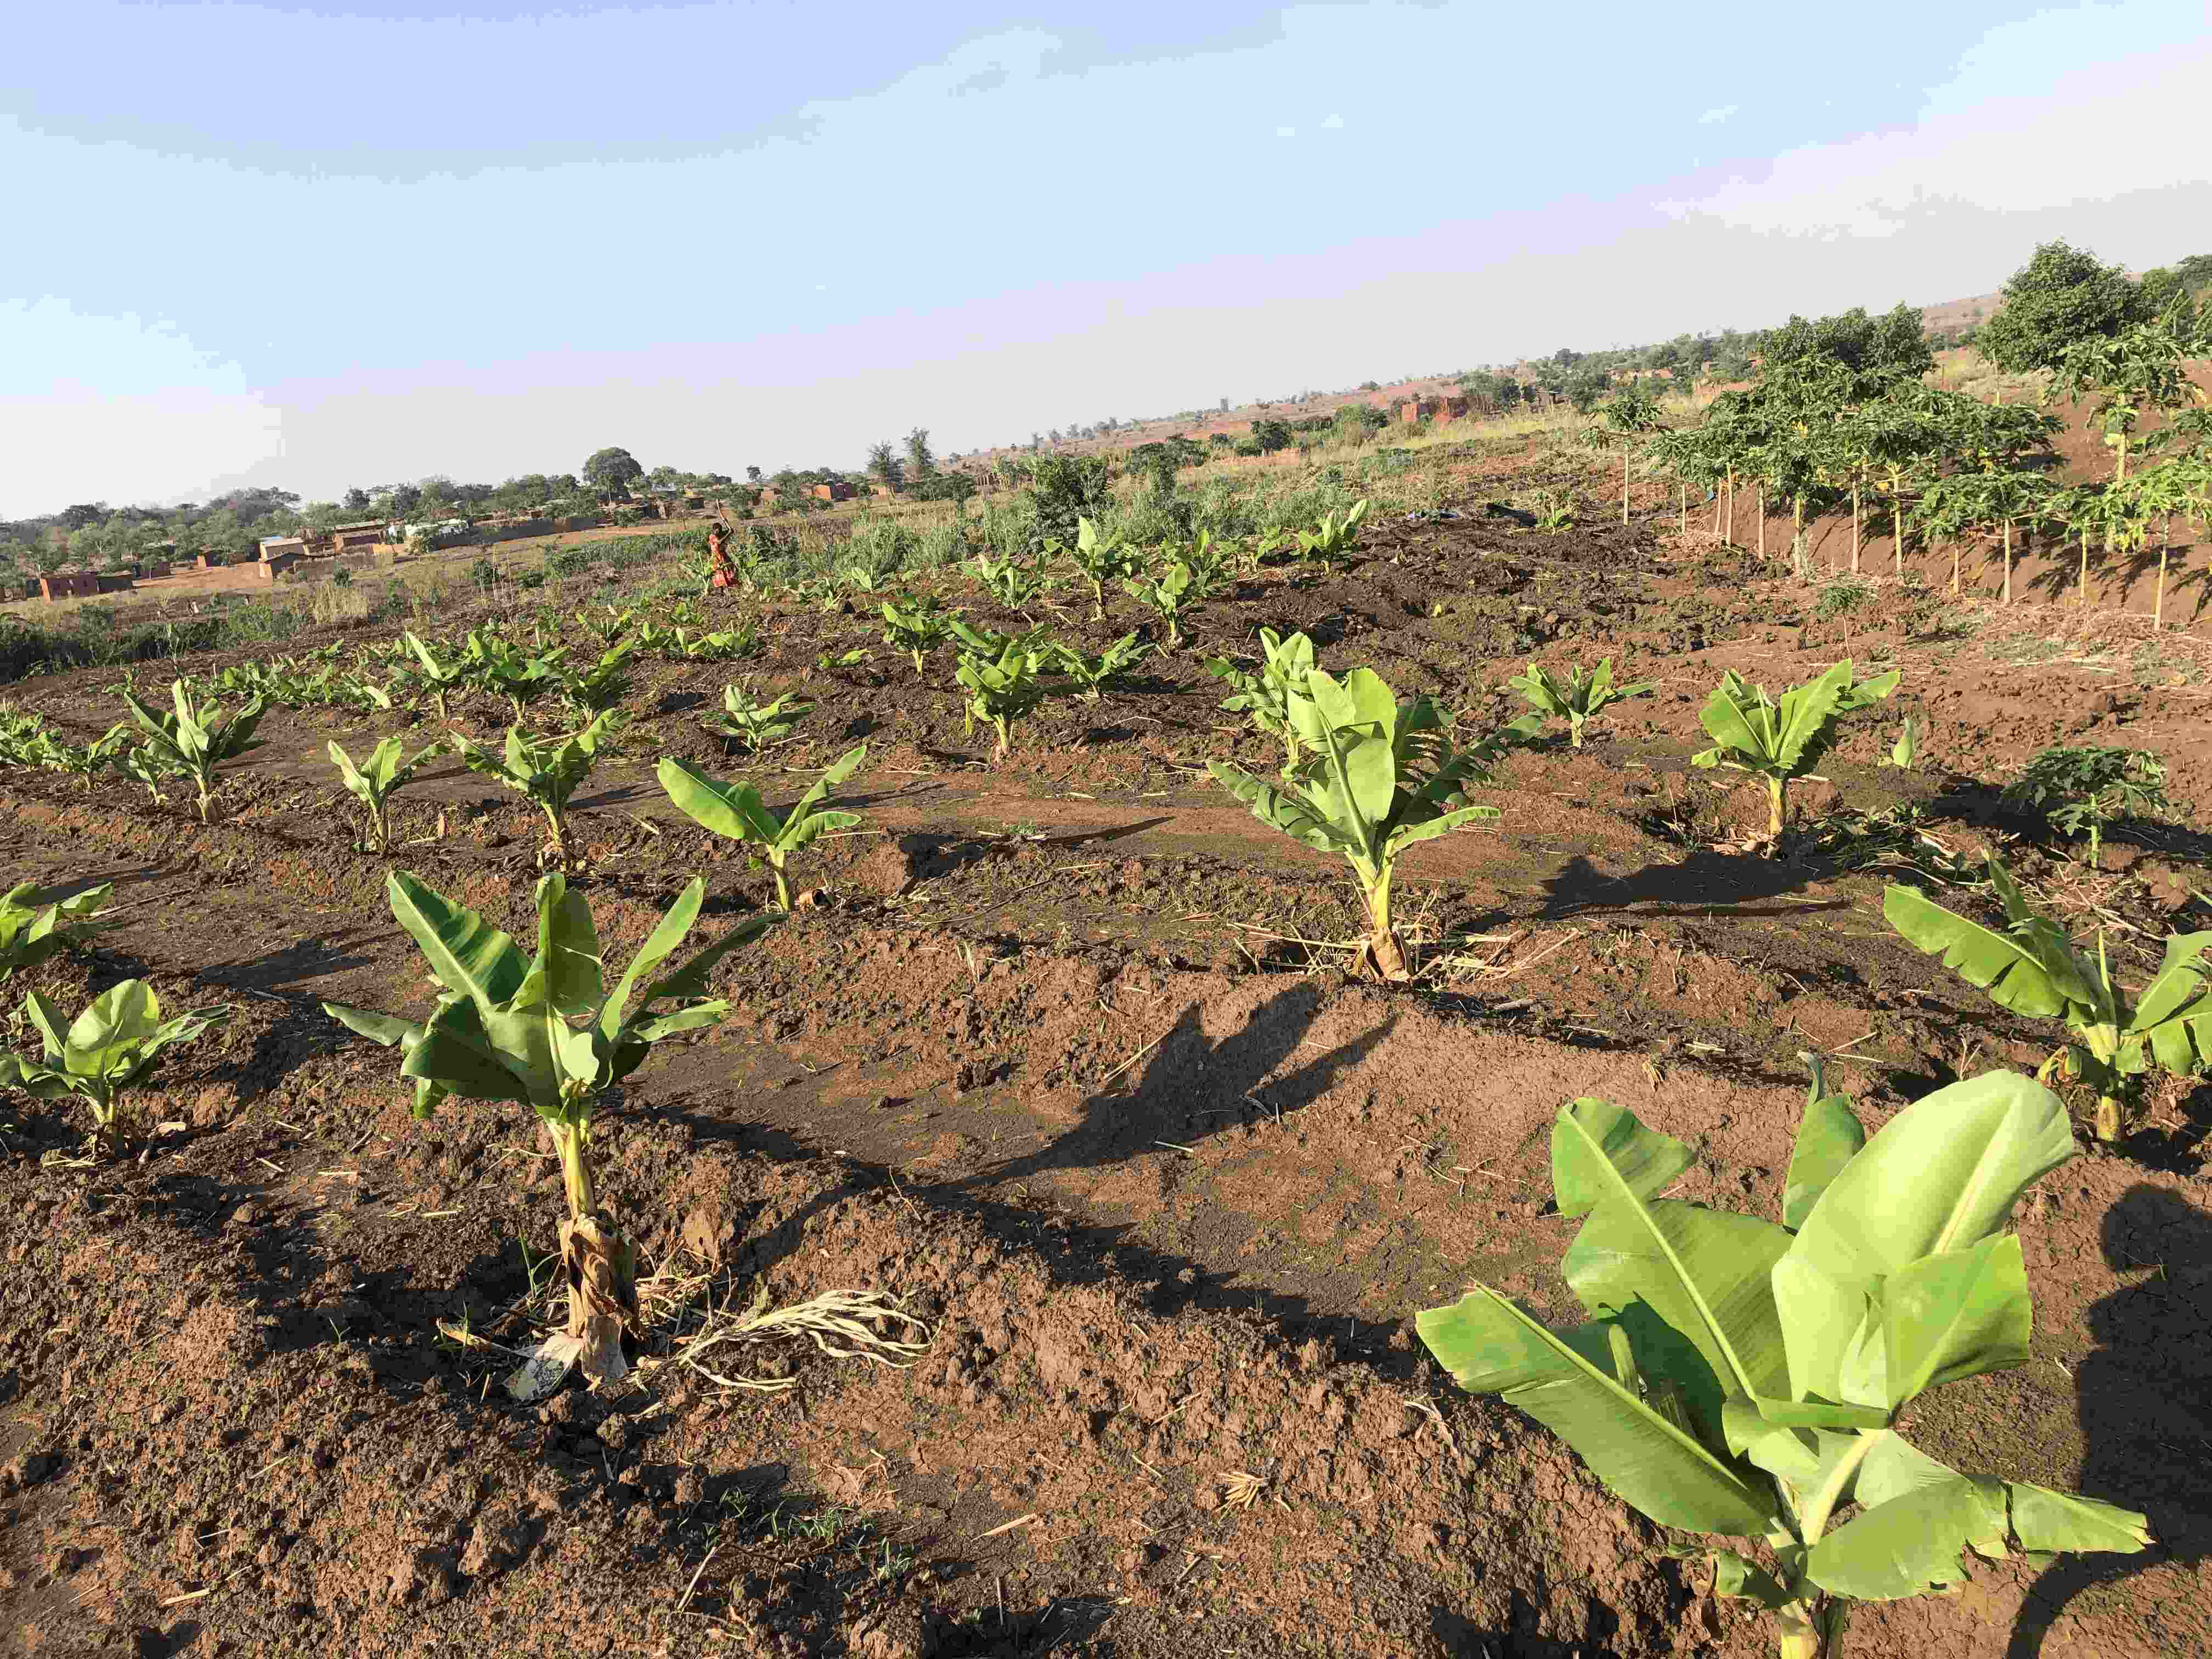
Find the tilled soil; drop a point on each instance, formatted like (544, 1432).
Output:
(1065, 1057)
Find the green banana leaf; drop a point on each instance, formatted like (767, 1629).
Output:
(1942, 1175)
(1829, 1136)
(1565, 1381)
(2171, 1023)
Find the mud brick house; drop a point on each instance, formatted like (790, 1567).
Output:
(839, 491)
(348, 537)
(69, 583)
(278, 554)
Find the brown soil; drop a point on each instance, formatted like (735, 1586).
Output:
(1068, 1059)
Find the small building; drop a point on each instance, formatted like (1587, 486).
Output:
(68, 583)
(285, 548)
(276, 559)
(839, 491)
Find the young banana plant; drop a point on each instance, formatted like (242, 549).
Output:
(1093, 672)
(754, 726)
(377, 780)
(195, 739)
(548, 770)
(112, 1045)
(1333, 537)
(917, 628)
(1102, 558)
(1002, 686)
(1011, 584)
(441, 676)
(1168, 595)
(1265, 697)
(1904, 753)
(2032, 968)
(548, 1032)
(1381, 777)
(1748, 1379)
(607, 626)
(506, 670)
(595, 690)
(146, 767)
(95, 757)
(1779, 739)
(1579, 700)
(738, 811)
(35, 924)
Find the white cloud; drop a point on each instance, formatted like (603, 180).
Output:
(1332, 122)
(2019, 154)
(1286, 133)
(1713, 116)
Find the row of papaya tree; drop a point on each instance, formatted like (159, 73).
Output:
(1836, 420)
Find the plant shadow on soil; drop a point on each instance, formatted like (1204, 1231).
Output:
(2143, 1396)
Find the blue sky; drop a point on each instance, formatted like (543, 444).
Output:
(293, 244)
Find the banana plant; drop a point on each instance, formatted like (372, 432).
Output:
(1746, 1379)
(917, 628)
(95, 757)
(548, 770)
(377, 780)
(1579, 700)
(2032, 968)
(1904, 753)
(718, 644)
(22, 735)
(1010, 582)
(112, 1045)
(1102, 558)
(608, 626)
(196, 737)
(738, 811)
(1265, 697)
(1779, 739)
(1001, 686)
(1381, 777)
(505, 670)
(595, 690)
(754, 726)
(548, 1032)
(1334, 536)
(35, 924)
(1092, 673)
(1167, 594)
(146, 767)
(440, 676)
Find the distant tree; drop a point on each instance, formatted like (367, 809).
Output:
(613, 471)
(665, 474)
(1054, 434)
(752, 475)
(1586, 388)
(357, 499)
(75, 518)
(1224, 406)
(2061, 297)
(884, 466)
(1848, 358)
(1270, 436)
